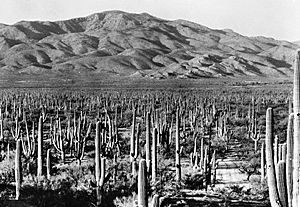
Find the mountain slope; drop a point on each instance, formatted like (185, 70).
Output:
(139, 45)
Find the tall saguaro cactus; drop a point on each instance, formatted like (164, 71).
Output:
(154, 154)
(262, 164)
(100, 183)
(289, 160)
(296, 155)
(177, 144)
(132, 137)
(97, 153)
(147, 146)
(281, 184)
(48, 164)
(284, 187)
(40, 148)
(273, 192)
(18, 168)
(142, 184)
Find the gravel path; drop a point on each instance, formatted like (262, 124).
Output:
(228, 172)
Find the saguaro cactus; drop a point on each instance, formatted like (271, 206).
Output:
(296, 155)
(177, 149)
(40, 148)
(142, 184)
(289, 159)
(103, 177)
(137, 142)
(97, 153)
(132, 137)
(276, 154)
(273, 192)
(58, 139)
(28, 144)
(147, 146)
(213, 168)
(154, 155)
(262, 164)
(201, 153)
(205, 166)
(284, 188)
(281, 182)
(81, 133)
(18, 168)
(100, 184)
(48, 164)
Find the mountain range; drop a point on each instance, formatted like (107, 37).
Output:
(120, 44)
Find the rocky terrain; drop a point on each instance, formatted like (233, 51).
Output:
(119, 44)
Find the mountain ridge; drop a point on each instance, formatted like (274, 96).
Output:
(139, 45)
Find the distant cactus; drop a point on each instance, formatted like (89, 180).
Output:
(1, 129)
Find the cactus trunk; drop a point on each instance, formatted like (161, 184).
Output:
(262, 164)
(40, 148)
(289, 159)
(97, 154)
(147, 146)
(296, 156)
(18, 168)
(281, 183)
(177, 149)
(132, 137)
(142, 184)
(273, 193)
(48, 165)
(154, 155)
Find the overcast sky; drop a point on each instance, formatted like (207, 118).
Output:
(273, 18)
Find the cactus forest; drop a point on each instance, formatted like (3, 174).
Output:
(235, 146)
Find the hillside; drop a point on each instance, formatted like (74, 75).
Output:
(120, 44)
(297, 42)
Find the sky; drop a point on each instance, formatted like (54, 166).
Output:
(279, 19)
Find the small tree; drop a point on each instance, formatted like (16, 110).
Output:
(251, 165)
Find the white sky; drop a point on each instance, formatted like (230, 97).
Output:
(273, 18)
